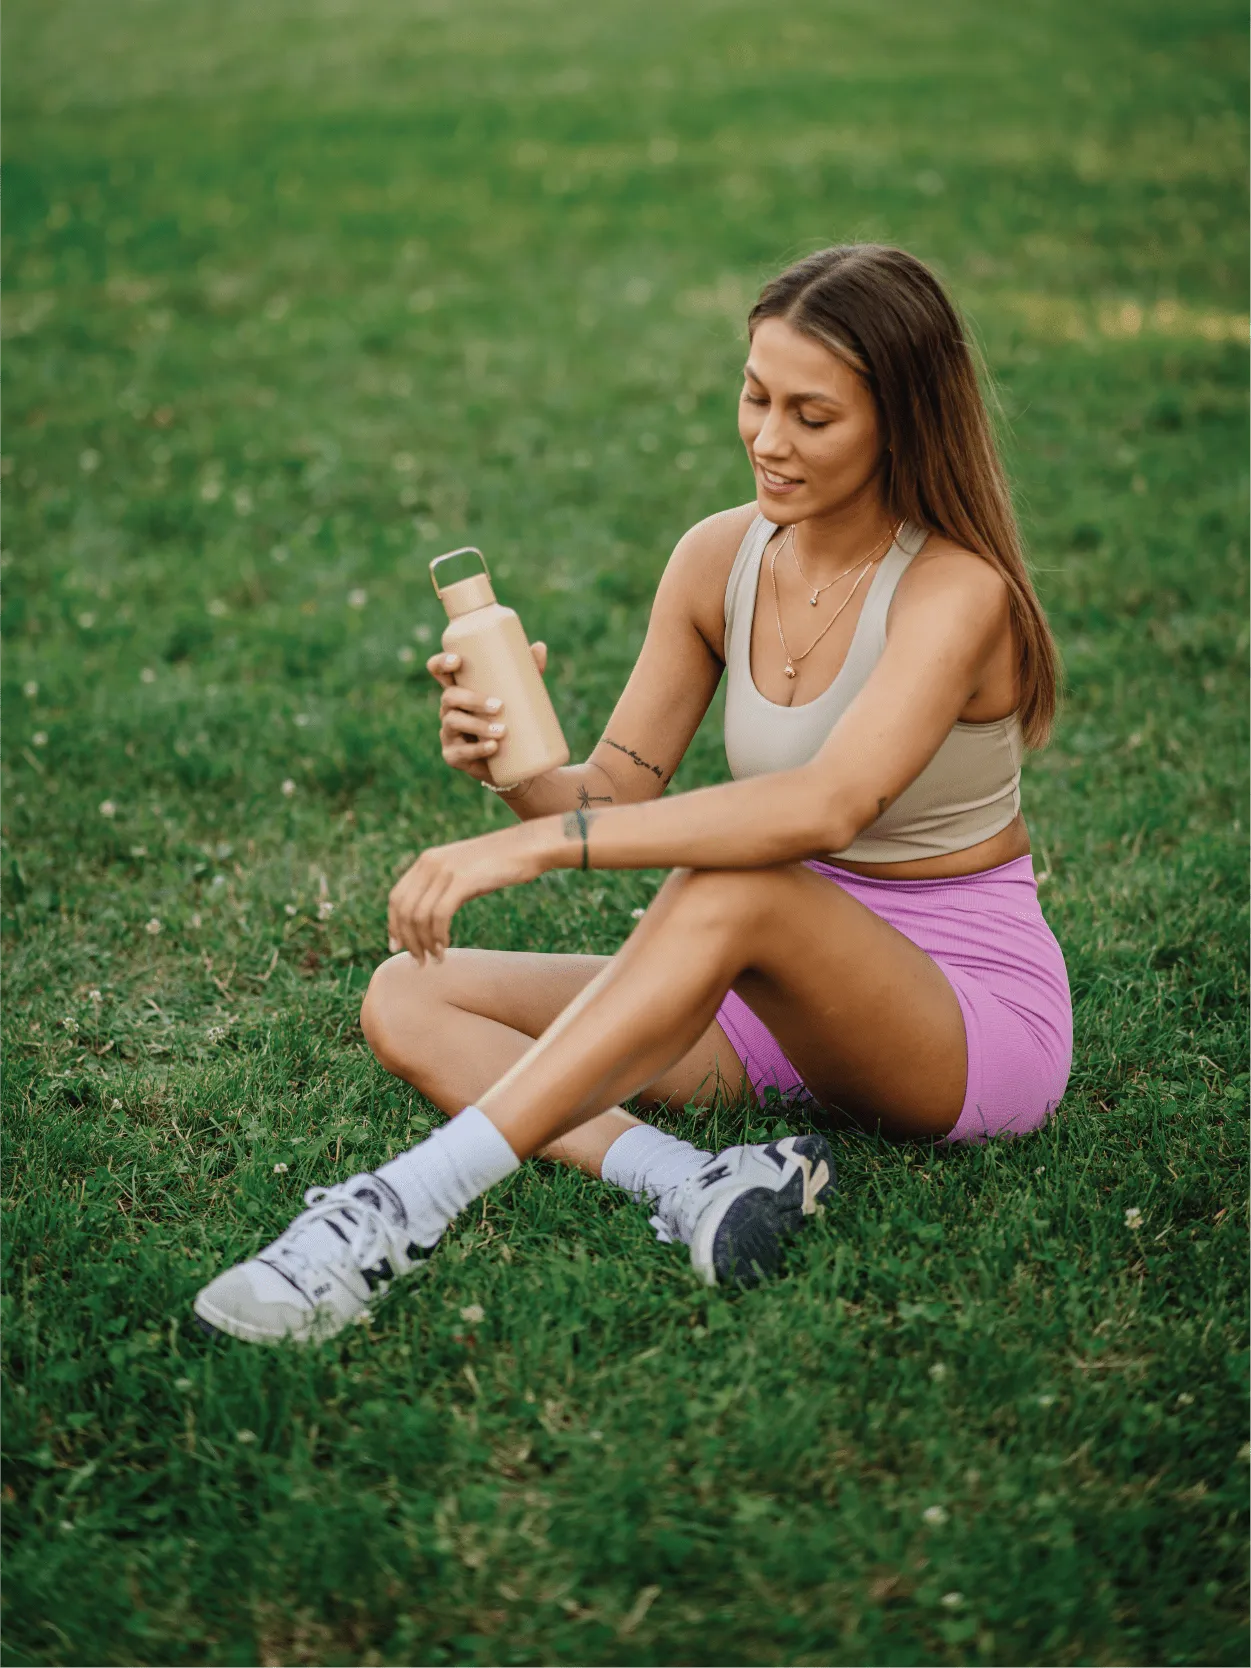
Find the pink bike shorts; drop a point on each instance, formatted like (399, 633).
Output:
(987, 934)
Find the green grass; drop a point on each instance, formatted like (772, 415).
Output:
(299, 295)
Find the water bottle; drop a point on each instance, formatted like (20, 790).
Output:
(495, 659)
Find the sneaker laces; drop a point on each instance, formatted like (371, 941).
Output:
(677, 1208)
(358, 1242)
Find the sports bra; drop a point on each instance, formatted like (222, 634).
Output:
(969, 791)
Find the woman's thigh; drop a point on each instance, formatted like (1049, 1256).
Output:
(869, 1022)
(527, 990)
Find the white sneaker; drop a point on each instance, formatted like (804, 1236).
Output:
(737, 1211)
(322, 1273)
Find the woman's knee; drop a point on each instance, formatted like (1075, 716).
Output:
(400, 997)
(721, 905)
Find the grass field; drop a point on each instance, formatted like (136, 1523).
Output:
(299, 295)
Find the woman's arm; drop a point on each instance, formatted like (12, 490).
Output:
(660, 709)
(942, 637)
(938, 647)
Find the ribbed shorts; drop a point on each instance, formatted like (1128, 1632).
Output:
(987, 934)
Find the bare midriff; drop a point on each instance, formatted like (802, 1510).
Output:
(1010, 842)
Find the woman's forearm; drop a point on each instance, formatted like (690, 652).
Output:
(576, 786)
(779, 818)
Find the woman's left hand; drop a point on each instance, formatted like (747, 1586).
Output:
(424, 899)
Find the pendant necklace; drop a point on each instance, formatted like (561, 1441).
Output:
(891, 533)
(791, 659)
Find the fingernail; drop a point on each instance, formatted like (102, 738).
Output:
(393, 945)
(449, 660)
(494, 704)
(496, 729)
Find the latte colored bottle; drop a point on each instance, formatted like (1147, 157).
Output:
(495, 659)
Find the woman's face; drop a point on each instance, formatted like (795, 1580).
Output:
(809, 424)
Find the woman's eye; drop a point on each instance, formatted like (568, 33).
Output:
(822, 423)
(754, 399)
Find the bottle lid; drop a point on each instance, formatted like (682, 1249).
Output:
(464, 595)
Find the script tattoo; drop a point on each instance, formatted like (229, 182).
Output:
(586, 797)
(631, 754)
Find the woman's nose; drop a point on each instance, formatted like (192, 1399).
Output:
(770, 441)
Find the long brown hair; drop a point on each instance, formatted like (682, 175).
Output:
(886, 315)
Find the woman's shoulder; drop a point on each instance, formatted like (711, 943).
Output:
(699, 569)
(944, 567)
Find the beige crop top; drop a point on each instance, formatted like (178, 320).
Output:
(970, 789)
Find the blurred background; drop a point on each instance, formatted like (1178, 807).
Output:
(300, 295)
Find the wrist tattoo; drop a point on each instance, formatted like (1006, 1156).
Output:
(631, 754)
(577, 825)
(587, 798)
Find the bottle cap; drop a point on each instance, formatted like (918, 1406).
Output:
(464, 595)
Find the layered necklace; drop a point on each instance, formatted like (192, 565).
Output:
(792, 659)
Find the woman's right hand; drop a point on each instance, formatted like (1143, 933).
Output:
(471, 726)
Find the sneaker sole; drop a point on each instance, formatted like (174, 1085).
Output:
(748, 1242)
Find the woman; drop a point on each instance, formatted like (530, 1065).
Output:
(853, 918)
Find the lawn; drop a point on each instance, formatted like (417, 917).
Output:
(300, 295)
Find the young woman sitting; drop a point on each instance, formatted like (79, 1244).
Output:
(853, 919)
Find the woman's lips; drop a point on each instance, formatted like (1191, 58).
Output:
(778, 485)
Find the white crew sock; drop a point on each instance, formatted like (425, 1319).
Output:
(648, 1163)
(449, 1170)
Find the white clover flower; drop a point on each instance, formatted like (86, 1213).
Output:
(936, 1516)
(325, 909)
(1133, 1217)
(89, 460)
(403, 463)
(153, 927)
(406, 656)
(280, 1169)
(182, 1384)
(288, 909)
(148, 675)
(473, 1313)
(216, 607)
(117, 1105)
(107, 808)
(1040, 1170)
(952, 1601)
(245, 1437)
(243, 501)
(288, 788)
(95, 995)
(86, 621)
(1047, 1399)
(30, 689)
(637, 914)
(279, 553)
(215, 1033)
(211, 491)
(138, 851)
(301, 720)
(70, 1024)
(938, 1371)
(421, 633)
(1185, 1399)
(357, 598)
(195, 920)
(40, 738)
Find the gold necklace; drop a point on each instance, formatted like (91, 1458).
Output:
(891, 533)
(777, 609)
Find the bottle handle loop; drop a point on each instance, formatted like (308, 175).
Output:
(465, 550)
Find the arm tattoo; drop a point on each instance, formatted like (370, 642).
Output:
(586, 798)
(631, 754)
(576, 825)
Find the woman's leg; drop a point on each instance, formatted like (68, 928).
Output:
(453, 1028)
(868, 1020)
